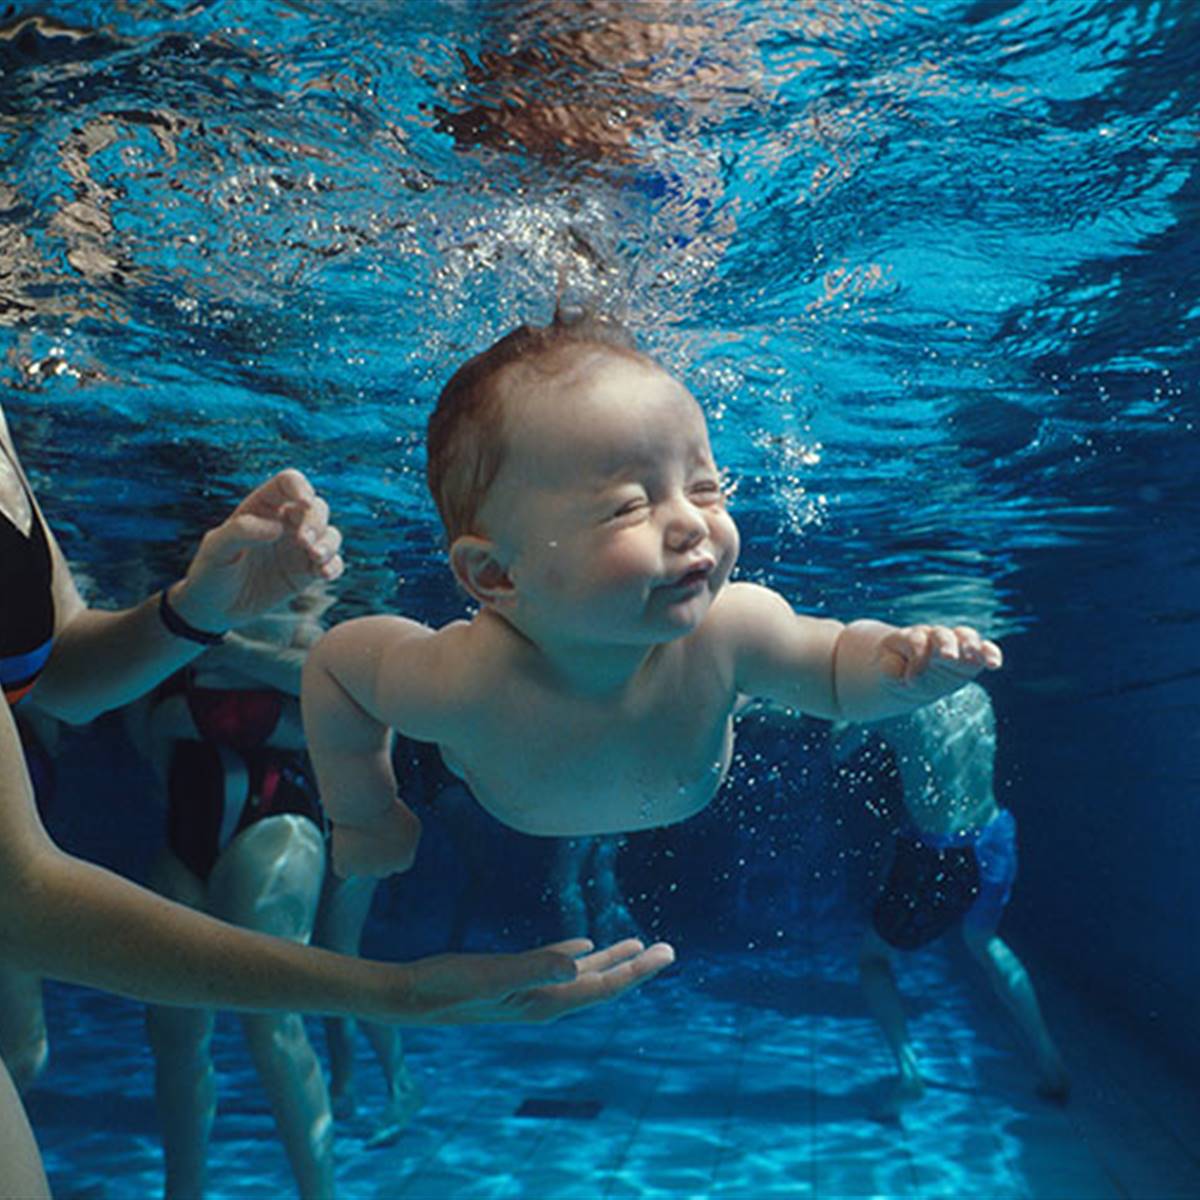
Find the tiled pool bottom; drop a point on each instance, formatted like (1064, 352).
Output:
(747, 1075)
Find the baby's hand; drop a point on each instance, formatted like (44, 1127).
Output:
(928, 661)
(385, 846)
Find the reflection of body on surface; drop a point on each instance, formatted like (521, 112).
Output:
(245, 842)
(953, 862)
(586, 81)
(613, 104)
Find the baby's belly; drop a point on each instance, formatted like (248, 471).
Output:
(570, 806)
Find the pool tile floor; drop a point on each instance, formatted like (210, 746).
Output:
(740, 1075)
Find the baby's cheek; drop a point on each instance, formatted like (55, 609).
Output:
(725, 534)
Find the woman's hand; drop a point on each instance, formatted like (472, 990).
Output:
(274, 544)
(539, 985)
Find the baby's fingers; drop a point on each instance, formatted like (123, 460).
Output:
(921, 644)
(977, 649)
(944, 643)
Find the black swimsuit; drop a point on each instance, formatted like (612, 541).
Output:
(203, 817)
(26, 601)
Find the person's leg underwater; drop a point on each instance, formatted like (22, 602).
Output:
(996, 851)
(887, 1007)
(185, 1090)
(269, 879)
(345, 905)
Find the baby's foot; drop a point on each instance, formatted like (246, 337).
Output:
(906, 1089)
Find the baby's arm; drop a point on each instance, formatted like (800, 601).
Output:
(362, 679)
(864, 671)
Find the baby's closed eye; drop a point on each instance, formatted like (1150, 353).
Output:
(706, 491)
(633, 506)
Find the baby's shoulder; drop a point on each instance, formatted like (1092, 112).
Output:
(746, 605)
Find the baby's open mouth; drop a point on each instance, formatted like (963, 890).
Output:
(697, 575)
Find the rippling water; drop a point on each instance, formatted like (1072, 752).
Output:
(932, 270)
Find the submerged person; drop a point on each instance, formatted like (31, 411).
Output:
(246, 842)
(594, 690)
(66, 919)
(953, 863)
(583, 879)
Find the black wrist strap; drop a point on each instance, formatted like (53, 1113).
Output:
(180, 628)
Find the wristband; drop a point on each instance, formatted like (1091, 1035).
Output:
(180, 628)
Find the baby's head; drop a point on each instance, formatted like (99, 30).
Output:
(578, 489)
(468, 436)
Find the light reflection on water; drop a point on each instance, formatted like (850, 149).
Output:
(226, 232)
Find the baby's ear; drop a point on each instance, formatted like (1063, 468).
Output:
(479, 572)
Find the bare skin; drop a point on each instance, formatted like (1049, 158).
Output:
(66, 919)
(594, 691)
(945, 754)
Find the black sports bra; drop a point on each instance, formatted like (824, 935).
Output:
(26, 600)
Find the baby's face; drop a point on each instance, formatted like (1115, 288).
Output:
(609, 512)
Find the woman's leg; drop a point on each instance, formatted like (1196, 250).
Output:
(345, 905)
(1011, 983)
(887, 1007)
(269, 879)
(23, 1043)
(567, 881)
(613, 919)
(21, 1171)
(180, 1038)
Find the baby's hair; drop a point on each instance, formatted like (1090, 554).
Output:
(465, 439)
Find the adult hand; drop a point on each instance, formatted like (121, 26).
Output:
(274, 544)
(539, 985)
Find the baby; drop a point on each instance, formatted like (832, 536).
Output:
(594, 690)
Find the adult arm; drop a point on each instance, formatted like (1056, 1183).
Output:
(67, 919)
(277, 541)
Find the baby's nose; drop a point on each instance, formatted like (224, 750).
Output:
(686, 527)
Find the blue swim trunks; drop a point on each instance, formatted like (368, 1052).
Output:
(935, 882)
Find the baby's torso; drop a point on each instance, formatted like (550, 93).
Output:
(556, 765)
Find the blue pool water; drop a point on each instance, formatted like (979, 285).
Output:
(932, 272)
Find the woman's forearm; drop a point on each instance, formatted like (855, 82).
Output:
(69, 920)
(103, 660)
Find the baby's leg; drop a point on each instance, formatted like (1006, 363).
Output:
(184, 1083)
(21, 1171)
(1011, 983)
(269, 879)
(22, 1026)
(887, 1007)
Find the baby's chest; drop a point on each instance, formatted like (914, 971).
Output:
(567, 773)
